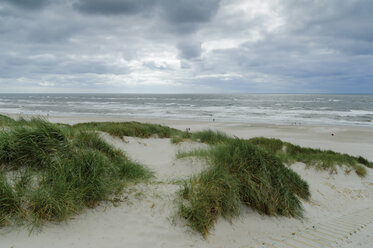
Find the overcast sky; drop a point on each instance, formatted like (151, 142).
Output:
(186, 46)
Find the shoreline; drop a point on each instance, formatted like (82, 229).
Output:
(119, 118)
(73, 119)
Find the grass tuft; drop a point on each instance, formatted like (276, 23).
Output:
(210, 137)
(6, 121)
(241, 173)
(9, 202)
(211, 194)
(57, 171)
(180, 137)
(31, 145)
(325, 160)
(202, 153)
(267, 185)
(252, 172)
(135, 129)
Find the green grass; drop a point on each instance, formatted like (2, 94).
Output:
(321, 159)
(252, 172)
(241, 173)
(9, 202)
(49, 172)
(212, 194)
(180, 137)
(210, 137)
(207, 136)
(6, 121)
(31, 145)
(203, 153)
(290, 153)
(136, 129)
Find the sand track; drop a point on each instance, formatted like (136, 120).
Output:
(333, 233)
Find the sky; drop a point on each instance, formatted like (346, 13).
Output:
(186, 46)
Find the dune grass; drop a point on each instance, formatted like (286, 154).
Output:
(205, 197)
(50, 172)
(136, 129)
(180, 137)
(252, 172)
(210, 137)
(9, 202)
(320, 159)
(207, 136)
(202, 153)
(6, 121)
(241, 173)
(290, 153)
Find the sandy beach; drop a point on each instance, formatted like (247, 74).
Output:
(351, 140)
(339, 214)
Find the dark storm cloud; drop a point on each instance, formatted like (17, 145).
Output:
(190, 11)
(187, 45)
(29, 4)
(185, 16)
(181, 16)
(113, 7)
(175, 11)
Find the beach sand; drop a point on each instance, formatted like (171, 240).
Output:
(339, 214)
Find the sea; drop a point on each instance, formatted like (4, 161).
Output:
(292, 109)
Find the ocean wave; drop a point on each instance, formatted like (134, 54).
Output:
(281, 109)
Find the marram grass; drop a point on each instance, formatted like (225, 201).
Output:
(49, 172)
(241, 174)
(6, 121)
(251, 172)
(136, 129)
(289, 153)
(320, 159)
(207, 196)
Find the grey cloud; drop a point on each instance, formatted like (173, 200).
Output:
(185, 16)
(50, 34)
(29, 4)
(175, 11)
(114, 7)
(51, 64)
(319, 46)
(190, 11)
(181, 16)
(152, 65)
(333, 18)
(189, 49)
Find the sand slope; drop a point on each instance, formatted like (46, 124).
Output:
(145, 215)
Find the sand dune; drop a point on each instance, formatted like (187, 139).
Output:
(338, 215)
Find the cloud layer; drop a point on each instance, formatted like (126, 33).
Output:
(167, 46)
